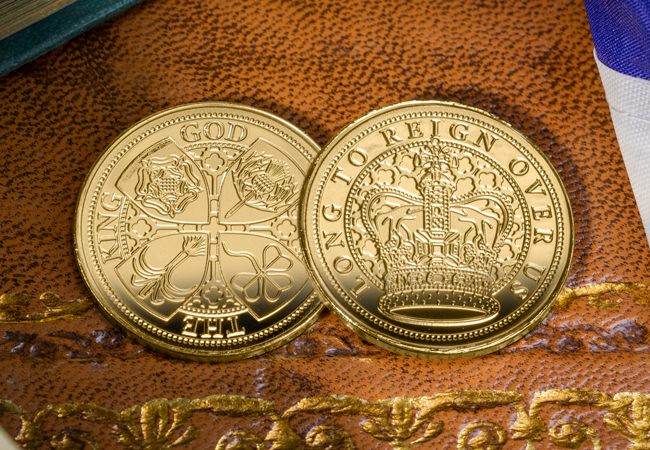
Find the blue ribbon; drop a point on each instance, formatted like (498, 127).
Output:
(621, 34)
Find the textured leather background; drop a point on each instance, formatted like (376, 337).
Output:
(319, 66)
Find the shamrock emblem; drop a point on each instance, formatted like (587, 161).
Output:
(268, 278)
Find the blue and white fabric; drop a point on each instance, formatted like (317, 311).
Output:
(621, 35)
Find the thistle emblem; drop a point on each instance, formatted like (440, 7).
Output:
(262, 183)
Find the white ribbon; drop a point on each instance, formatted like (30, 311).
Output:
(629, 105)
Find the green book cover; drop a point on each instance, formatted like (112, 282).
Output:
(52, 31)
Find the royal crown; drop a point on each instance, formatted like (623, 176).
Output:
(440, 251)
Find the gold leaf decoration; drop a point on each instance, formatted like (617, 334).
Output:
(403, 423)
(488, 435)
(323, 437)
(73, 440)
(282, 436)
(572, 434)
(433, 430)
(593, 292)
(14, 308)
(633, 420)
(234, 406)
(240, 440)
(346, 405)
(88, 411)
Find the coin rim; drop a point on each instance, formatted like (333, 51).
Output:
(148, 340)
(386, 341)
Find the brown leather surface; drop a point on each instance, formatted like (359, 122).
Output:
(320, 66)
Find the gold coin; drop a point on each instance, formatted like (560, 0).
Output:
(187, 232)
(437, 230)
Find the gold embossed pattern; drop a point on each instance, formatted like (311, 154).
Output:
(402, 423)
(14, 308)
(187, 232)
(457, 231)
(475, 419)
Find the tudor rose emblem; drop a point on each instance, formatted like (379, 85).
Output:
(167, 184)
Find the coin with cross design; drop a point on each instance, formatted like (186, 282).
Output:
(437, 230)
(187, 232)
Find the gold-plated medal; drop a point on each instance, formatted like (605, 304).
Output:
(187, 232)
(437, 230)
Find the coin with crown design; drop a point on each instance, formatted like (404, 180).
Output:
(437, 230)
(187, 232)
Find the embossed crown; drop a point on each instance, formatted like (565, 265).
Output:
(440, 250)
